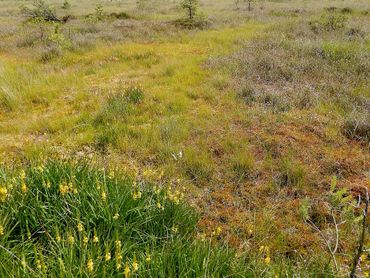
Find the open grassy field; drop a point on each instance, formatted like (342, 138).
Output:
(136, 142)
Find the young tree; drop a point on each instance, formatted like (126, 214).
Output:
(191, 7)
(66, 5)
(249, 4)
(40, 10)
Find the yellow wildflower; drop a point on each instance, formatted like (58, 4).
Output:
(267, 260)
(103, 196)
(63, 189)
(23, 174)
(118, 244)
(107, 256)
(24, 187)
(3, 193)
(174, 229)
(218, 231)
(80, 227)
(90, 265)
(136, 195)
(1, 230)
(135, 265)
(71, 239)
(116, 216)
(47, 184)
(38, 264)
(148, 258)
(85, 240)
(95, 239)
(127, 271)
(58, 238)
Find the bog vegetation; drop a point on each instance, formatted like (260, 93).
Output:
(189, 138)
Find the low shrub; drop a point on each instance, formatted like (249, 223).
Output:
(120, 15)
(328, 22)
(195, 23)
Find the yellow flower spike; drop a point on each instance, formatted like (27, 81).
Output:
(267, 260)
(71, 239)
(90, 265)
(24, 187)
(3, 193)
(103, 196)
(1, 230)
(148, 258)
(135, 265)
(118, 256)
(218, 231)
(118, 244)
(58, 238)
(116, 216)
(70, 186)
(38, 264)
(85, 240)
(22, 174)
(47, 184)
(107, 256)
(95, 239)
(261, 248)
(127, 270)
(63, 189)
(176, 200)
(136, 195)
(80, 227)
(174, 229)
